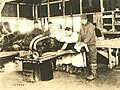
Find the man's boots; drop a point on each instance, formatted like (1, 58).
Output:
(92, 75)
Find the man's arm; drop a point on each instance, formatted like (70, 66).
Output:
(64, 46)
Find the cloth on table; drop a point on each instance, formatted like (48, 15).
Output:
(79, 46)
(76, 60)
(64, 60)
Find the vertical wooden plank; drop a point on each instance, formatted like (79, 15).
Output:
(80, 6)
(102, 10)
(18, 15)
(33, 11)
(113, 21)
(71, 10)
(40, 16)
(101, 5)
(48, 7)
(117, 59)
(109, 58)
(64, 18)
(36, 11)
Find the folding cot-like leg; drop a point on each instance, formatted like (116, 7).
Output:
(84, 62)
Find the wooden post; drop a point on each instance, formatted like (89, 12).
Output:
(64, 18)
(40, 15)
(117, 59)
(71, 9)
(33, 11)
(36, 11)
(101, 5)
(80, 6)
(18, 15)
(113, 24)
(102, 10)
(48, 7)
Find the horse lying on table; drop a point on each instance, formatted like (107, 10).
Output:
(41, 50)
(37, 45)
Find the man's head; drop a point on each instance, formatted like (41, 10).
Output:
(6, 25)
(50, 25)
(35, 24)
(59, 26)
(68, 31)
(83, 19)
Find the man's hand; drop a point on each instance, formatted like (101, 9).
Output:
(79, 45)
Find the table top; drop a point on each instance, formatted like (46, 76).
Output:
(7, 54)
(111, 43)
(108, 32)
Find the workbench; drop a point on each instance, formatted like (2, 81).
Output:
(110, 44)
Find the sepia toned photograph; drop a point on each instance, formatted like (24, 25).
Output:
(59, 44)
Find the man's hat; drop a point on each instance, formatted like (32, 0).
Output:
(50, 22)
(83, 16)
(35, 21)
(68, 29)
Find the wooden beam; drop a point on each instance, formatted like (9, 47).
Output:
(64, 18)
(36, 11)
(101, 5)
(48, 6)
(18, 15)
(33, 11)
(71, 10)
(80, 6)
(53, 2)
